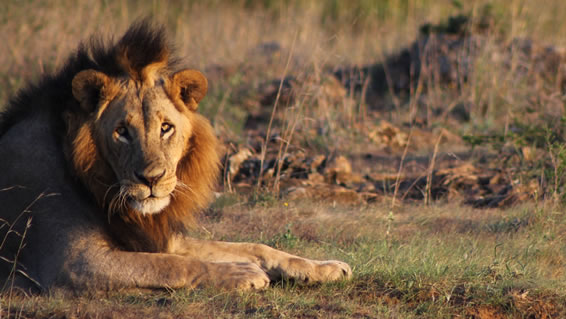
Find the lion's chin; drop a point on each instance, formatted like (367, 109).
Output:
(149, 206)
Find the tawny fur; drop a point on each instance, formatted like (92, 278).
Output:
(66, 167)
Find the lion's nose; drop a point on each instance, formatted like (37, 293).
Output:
(150, 177)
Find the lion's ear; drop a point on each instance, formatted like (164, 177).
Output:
(92, 87)
(189, 86)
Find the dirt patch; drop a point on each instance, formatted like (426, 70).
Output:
(369, 156)
(332, 177)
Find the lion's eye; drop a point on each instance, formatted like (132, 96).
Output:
(121, 131)
(166, 128)
(122, 134)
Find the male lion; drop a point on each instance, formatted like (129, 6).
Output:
(101, 166)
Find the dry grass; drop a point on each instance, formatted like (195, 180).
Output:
(327, 35)
(436, 261)
(38, 36)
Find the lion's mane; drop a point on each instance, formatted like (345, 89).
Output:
(143, 44)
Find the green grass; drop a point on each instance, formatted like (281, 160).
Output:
(436, 262)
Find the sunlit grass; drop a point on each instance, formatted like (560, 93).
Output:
(436, 261)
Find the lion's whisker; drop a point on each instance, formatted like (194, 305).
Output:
(182, 188)
(111, 207)
(108, 191)
(118, 202)
(186, 193)
(123, 197)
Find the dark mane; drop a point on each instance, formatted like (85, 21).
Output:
(143, 43)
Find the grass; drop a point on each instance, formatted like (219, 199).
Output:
(410, 260)
(436, 261)
(327, 35)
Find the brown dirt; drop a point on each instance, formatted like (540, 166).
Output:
(412, 161)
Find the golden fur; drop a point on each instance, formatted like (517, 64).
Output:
(105, 164)
(198, 170)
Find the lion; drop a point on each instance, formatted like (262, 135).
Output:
(104, 166)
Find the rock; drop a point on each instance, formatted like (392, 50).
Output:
(317, 163)
(336, 165)
(325, 192)
(236, 160)
(388, 135)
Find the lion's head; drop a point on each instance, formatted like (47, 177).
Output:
(142, 131)
(137, 143)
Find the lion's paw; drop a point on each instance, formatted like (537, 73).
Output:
(241, 276)
(311, 271)
(332, 270)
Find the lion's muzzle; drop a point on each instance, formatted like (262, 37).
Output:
(150, 193)
(150, 177)
(150, 205)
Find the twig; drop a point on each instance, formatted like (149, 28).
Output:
(398, 178)
(289, 132)
(268, 134)
(390, 84)
(431, 168)
(415, 93)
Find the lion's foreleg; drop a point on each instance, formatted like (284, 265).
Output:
(120, 269)
(275, 263)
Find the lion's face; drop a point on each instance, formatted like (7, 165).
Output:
(142, 130)
(143, 138)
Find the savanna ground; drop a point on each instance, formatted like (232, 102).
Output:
(430, 157)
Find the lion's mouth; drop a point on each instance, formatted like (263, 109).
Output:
(150, 205)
